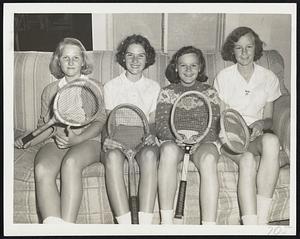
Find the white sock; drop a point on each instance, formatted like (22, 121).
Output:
(263, 206)
(249, 220)
(166, 216)
(145, 218)
(208, 223)
(124, 219)
(53, 220)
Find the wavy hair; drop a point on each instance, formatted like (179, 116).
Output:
(227, 51)
(172, 74)
(54, 66)
(135, 39)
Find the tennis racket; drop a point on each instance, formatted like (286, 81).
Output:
(234, 131)
(128, 125)
(75, 104)
(191, 119)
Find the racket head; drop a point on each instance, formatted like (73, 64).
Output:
(128, 125)
(78, 102)
(191, 117)
(234, 130)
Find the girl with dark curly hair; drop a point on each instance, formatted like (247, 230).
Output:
(251, 90)
(186, 72)
(134, 54)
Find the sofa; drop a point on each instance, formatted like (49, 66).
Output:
(31, 75)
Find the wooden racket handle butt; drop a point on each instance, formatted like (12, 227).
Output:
(134, 210)
(181, 199)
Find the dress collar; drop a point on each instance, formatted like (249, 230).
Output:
(62, 82)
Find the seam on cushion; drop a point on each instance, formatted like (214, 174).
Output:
(224, 213)
(100, 199)
(24, 125)
(267, 58)
(34, 90)
(101, 56)
(86, 201)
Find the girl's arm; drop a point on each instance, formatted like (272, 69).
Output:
(46, 97)
(38, 139)
(264, 124)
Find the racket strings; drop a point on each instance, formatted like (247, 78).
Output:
(235, 131)
(191, 116)
(78, 103)
(127, 127)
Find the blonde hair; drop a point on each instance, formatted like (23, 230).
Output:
(55, 69)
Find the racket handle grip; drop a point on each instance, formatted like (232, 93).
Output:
(181, 199)
(27, 138)
(134, 210)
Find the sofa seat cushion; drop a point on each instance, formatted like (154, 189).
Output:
(95, 206)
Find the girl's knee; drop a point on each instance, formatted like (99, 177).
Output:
(71, 164)
(114, 158)
(206, 156)
(43, 171)
(149, 156)
(271, 141)
(169, 153)
(207, 161)
(247, 161)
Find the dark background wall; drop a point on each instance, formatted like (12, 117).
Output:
(42, 32)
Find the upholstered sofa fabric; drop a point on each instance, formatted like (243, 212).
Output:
(31, 75)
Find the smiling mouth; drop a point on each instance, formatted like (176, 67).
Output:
(188, 76)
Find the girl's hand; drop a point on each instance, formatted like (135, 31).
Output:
(67, 139)
(109, 144)
(194, 148)
(19, 143)
(222, 137)
(257, 129)
(150, 140)
(179, 142)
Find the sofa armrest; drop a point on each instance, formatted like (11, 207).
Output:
(281, 121)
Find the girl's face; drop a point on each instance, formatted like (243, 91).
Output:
(135, 59)
(244, 50)
(188, 67)
(71, 61)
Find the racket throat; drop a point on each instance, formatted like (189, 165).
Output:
(187, 148)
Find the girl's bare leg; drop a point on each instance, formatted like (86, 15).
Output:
(75, 160)
(205, 159)
(114, 178)
(268, 171)
(170, 156)
(246, 188)
(148, 162)
(46, 167)
(267, 146)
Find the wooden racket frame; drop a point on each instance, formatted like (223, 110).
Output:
(130, 155)
(179, 212)
(57, 117)
(225, 139)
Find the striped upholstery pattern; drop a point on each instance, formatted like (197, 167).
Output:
(31, 75)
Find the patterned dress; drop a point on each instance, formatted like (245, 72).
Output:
(168, 96)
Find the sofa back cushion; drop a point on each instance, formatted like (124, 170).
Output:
(31, 75)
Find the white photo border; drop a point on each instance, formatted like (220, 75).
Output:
(11, 229)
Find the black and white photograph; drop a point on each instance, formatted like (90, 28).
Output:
(149, 119)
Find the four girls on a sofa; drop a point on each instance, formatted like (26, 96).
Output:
(69, 152)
